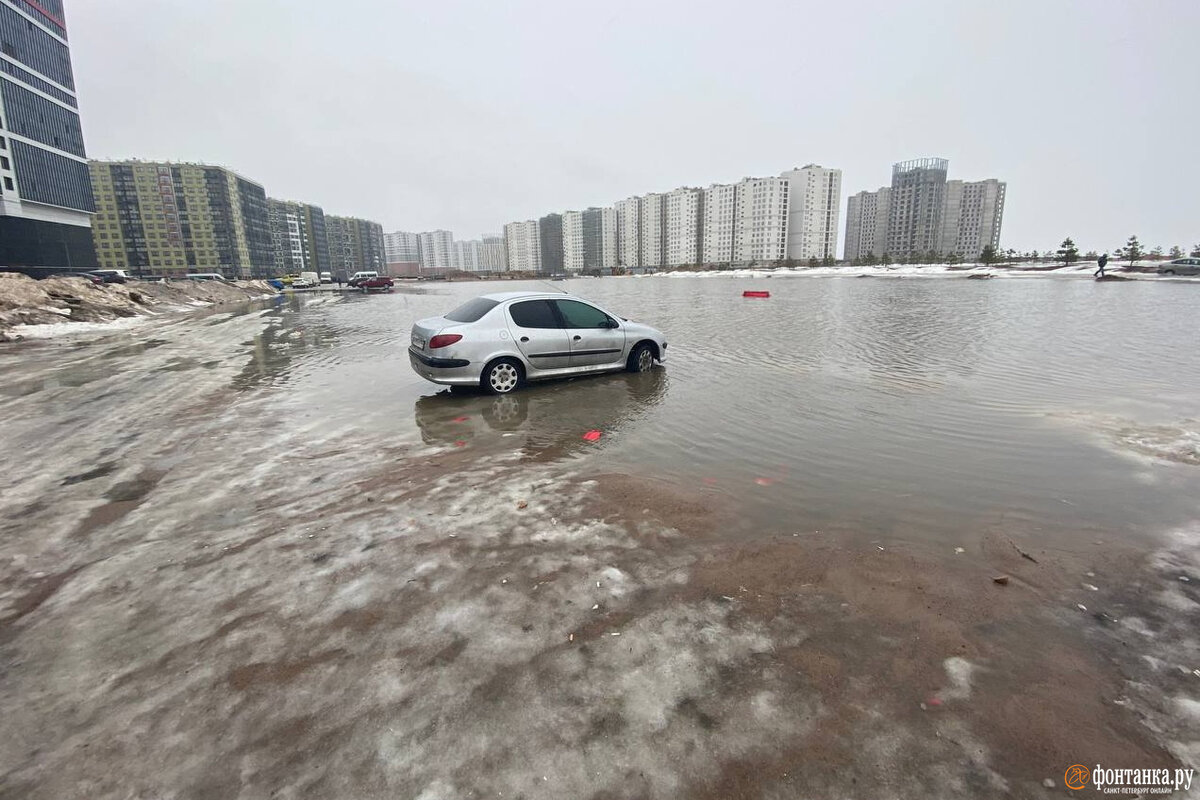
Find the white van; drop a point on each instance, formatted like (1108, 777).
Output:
(307, 280)
(326, 277)
(360, 276)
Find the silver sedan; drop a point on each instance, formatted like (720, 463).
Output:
(498, 341)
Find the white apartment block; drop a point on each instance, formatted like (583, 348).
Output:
(436, 249)
(814, 202)
(684, 227)
(720, 200)
(572, 237)
(652, 230)
(866, 224)
(629, 220)
(491, 254)
(468, 255)
(760, 220)
(971, 217)
(608, 238)
(401, 247)
(523, 245)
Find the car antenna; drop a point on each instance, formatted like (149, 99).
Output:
(554, 288)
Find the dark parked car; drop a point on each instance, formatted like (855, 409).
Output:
(377, 284)
(110, 275)
(95, 279)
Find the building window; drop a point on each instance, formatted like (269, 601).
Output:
(4, 163)
(8, 184)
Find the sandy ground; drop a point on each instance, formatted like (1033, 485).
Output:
(203, 603)
(25, 302)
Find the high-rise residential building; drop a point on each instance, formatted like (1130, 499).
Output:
(720, 202)
(436, 249)
(629, 240)
(523, 246)
(814, 204)
(922, 212)
(972, 216)
(550, 239)
(760, 220)
(355, 245)
(574, 248)
(46, 193)
(298, 237)
(684, 235)
(402, 253)
(157, 217)
(599, 230)
(492, 257)
(652, 229)
(916, 207)
(468, 255)
(866, 224)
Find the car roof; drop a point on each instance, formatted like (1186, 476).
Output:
(500, 297)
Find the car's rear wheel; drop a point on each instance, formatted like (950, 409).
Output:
(1168, 272)
(641, 359)
(501, 376)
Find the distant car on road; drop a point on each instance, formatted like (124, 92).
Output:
(326, 277)
(88, 276)
(206, 276)
(111, 275)
(358, 277)
(499, 341)
(1181, 266)
(376, 284)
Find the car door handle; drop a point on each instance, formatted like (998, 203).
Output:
(577, 338)
(524, 338)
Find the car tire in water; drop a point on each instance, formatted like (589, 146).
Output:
(641, 359)
(502, 376)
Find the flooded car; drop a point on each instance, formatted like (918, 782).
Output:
(499, 341)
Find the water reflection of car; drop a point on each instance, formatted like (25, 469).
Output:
(499, 341)
(552, 419)
(1181, 266)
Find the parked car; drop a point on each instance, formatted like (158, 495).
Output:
(88, 276)
(1181, 266)
(326, 277)
(361, 276)
(111, 275)
(499, 341)
(206, 276)
(378, 283)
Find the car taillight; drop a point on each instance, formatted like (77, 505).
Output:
(443, 340)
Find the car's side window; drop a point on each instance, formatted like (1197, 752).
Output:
(581, 315)
(533, 314)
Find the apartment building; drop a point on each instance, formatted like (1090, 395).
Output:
(814, 204)
(402, 253)
(629, 240)
(684, 227)
(468, 255)
(298, 237)
(574, 256)
(922, 212)
(719, 204)
(599, 229)
(355, 245)
(46, 194)
(550, 240)
(866, 224)
(523, 246)
(492, 256)
(760, 221)
(436, 250)
(167, 218)
(652, 229)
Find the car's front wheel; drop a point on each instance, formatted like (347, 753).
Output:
(502, 376)
(641, 359)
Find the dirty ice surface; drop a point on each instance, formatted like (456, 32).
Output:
(248, 553)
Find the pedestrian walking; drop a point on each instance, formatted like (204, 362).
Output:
(1102, 262)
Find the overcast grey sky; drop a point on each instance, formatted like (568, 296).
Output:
(467, 115)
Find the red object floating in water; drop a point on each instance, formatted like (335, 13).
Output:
(749, 293)
(460, 443)
(460, 419)
(763, 481)
(591, 436)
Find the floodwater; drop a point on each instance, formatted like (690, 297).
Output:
(889, 537)
(910, 408)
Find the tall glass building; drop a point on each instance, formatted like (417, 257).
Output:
(45, 188)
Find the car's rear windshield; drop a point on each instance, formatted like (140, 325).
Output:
(472, 310)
